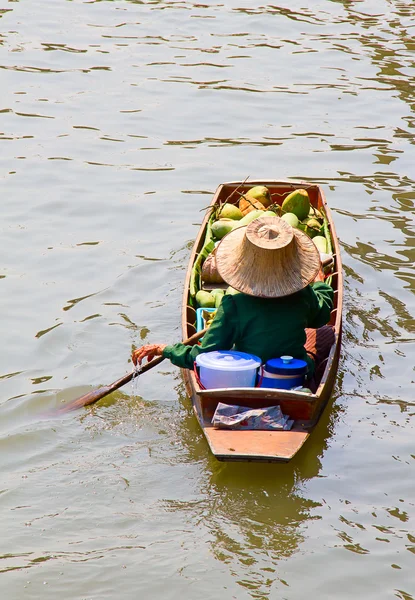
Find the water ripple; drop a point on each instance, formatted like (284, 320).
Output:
(149, 107)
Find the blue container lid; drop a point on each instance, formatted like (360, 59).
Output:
(286, 365)
(228, 360)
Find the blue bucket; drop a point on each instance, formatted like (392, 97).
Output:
(284, 373)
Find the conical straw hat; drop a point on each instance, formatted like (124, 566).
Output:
(267, 258)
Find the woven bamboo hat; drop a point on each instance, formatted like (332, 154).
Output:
(267, 258)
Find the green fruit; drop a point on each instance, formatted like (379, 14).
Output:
(314, 212)
(312, 227)
(222, 227)
(229, 211)
(261, 193)
(298, 203)
(291, 219)
(218, 294)
(269, 213)
(321, 243)
(218, 298)
(205, 299)
(254, 214)
(230, 291)
(216, 291)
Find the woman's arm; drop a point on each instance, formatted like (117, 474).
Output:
(220, 336)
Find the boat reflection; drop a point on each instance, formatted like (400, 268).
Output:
(256, 513)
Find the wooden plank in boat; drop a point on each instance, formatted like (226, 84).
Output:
(268, 446)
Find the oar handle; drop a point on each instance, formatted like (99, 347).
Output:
(101, 392)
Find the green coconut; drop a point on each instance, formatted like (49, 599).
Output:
(321, 243)
(222, 227)
(218, 294)
(254, 214)
(261, 193)
(311, 227)
(314, 212)
(205, 299)
(217, 291)
(298, 203)
(291, 219)
(229, 211)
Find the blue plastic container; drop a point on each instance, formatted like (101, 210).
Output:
(284, 373)
(200, 321)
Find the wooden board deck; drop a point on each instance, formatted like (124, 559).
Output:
(278, 446)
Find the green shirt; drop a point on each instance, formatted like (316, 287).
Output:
(266, 327)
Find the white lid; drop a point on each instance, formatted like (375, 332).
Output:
(228, 360)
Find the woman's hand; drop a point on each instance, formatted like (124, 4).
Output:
(150, 350)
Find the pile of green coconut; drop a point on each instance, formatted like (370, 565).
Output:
(296, 209)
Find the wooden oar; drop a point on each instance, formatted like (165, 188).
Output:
(101, 392)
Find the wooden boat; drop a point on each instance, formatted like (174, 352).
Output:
(304, 408)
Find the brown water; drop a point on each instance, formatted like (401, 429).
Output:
(117, 122)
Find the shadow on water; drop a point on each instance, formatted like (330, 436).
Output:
(256, 513)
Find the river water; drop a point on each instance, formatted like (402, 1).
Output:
(117, 122)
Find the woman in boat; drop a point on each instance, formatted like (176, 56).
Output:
(277, 271)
